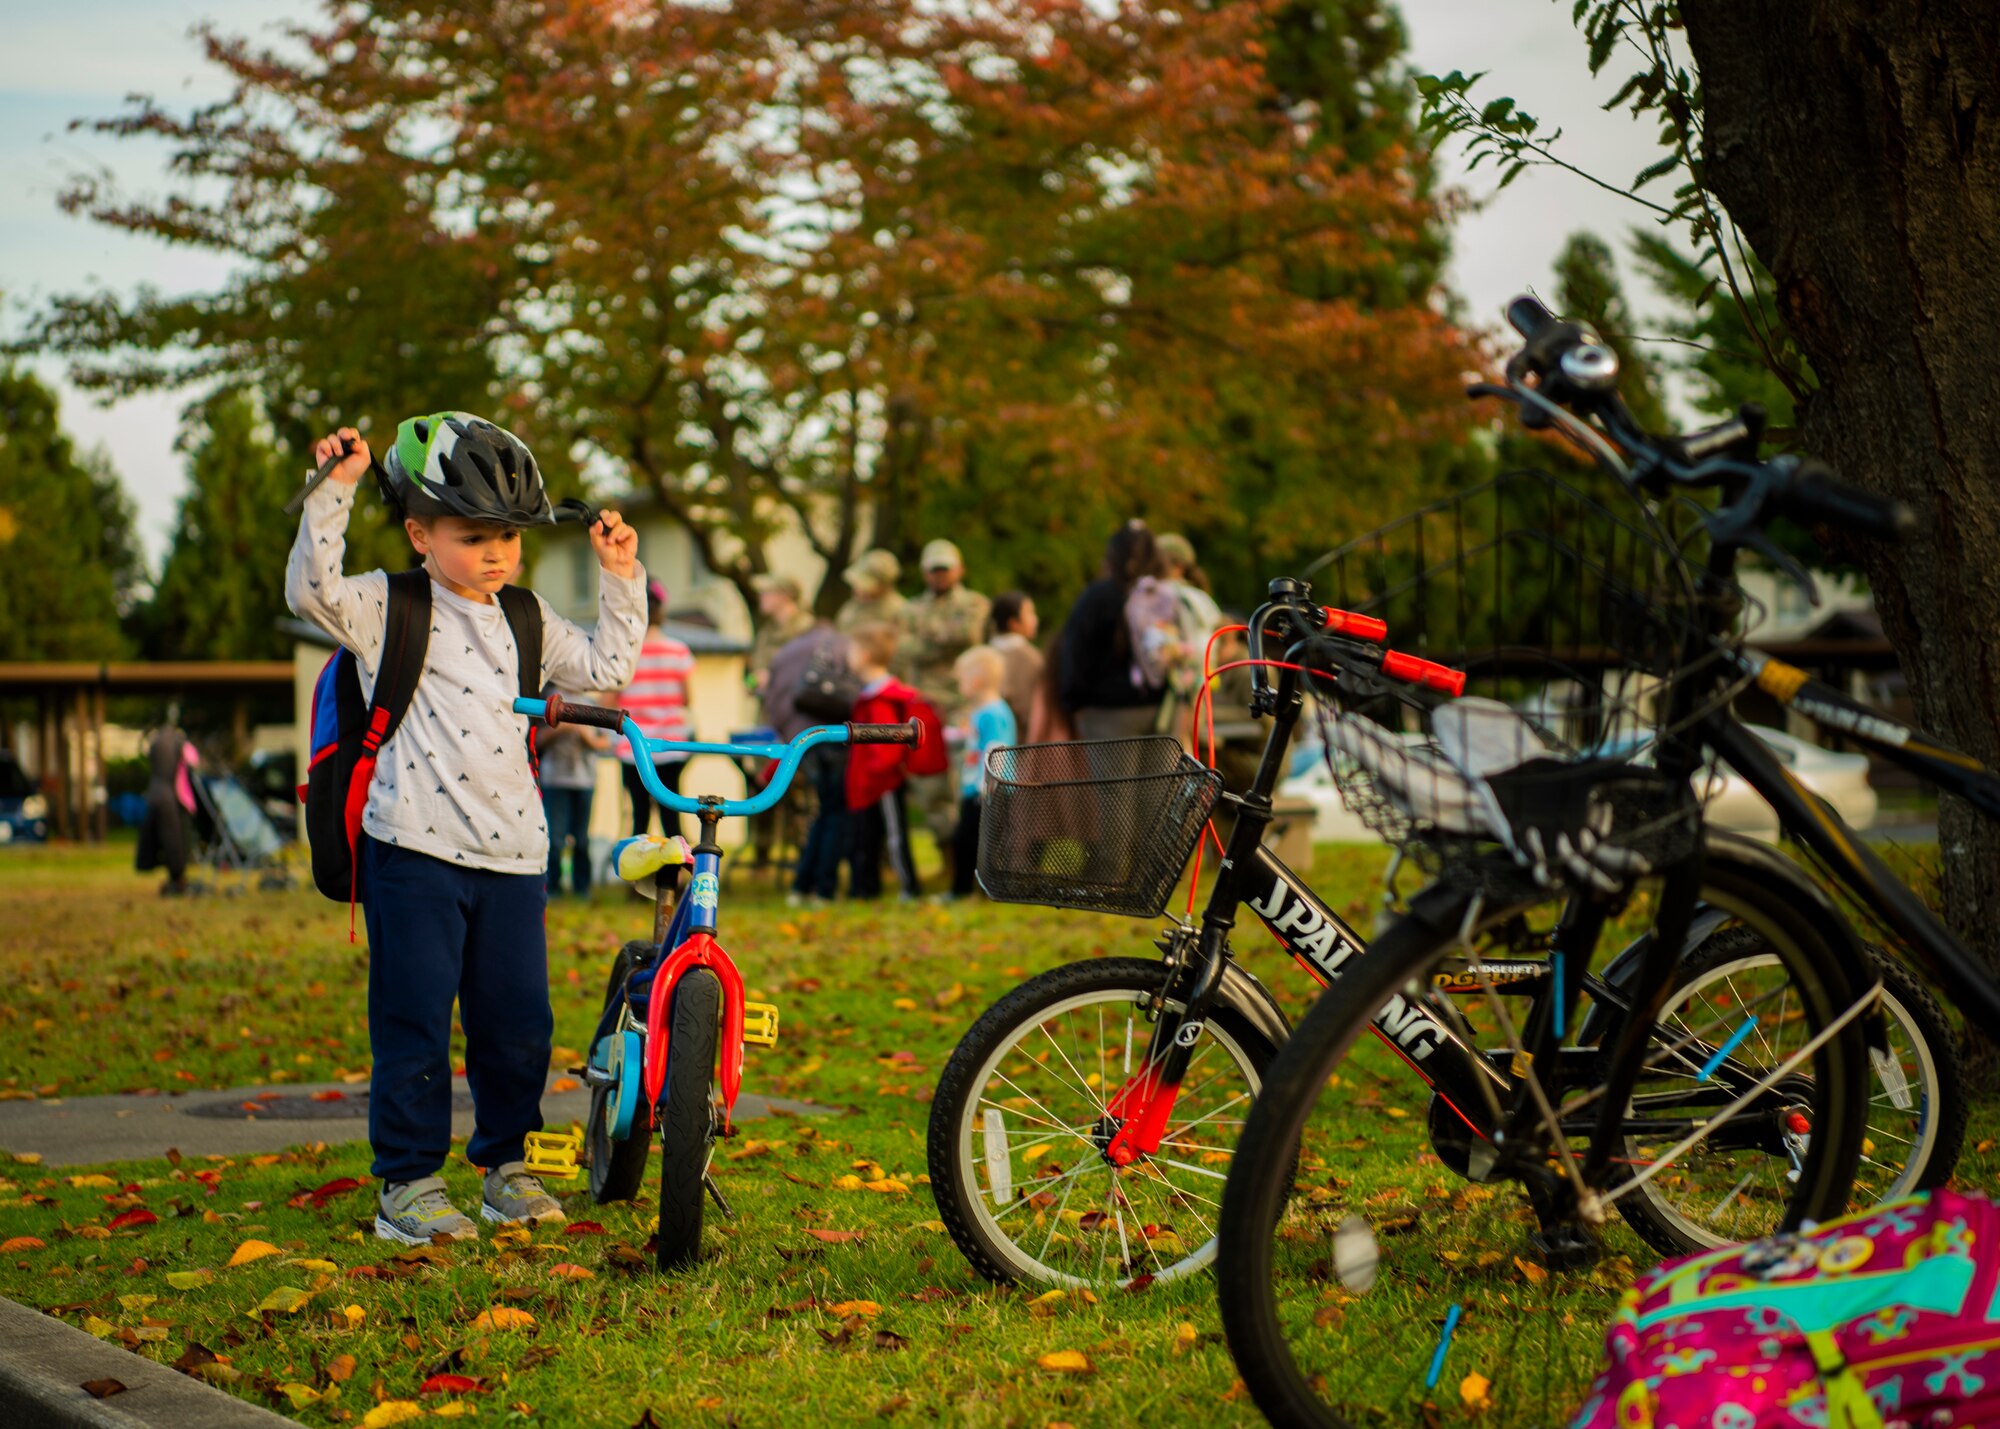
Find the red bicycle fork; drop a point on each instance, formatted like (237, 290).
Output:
(1142, 1108)
(700, 950)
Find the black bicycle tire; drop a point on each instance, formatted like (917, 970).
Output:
(1736, 941)
(618, 1166)
(687, 1125)
(949, 1188)
(1255, 1194)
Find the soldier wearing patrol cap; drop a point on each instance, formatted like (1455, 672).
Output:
(783, 619)
(873, 580)
(939, 626)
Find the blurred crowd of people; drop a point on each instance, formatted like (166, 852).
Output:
(976, 672)
(1127, 660)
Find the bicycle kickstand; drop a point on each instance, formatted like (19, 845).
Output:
(708, 1183)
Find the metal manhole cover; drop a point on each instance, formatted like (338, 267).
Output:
(303, 1108)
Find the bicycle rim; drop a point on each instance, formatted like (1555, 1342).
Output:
(1724, 1191)
(1042, 1194)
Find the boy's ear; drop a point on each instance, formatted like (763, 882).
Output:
(419, 533)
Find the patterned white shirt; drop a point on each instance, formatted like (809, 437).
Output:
(453, 781)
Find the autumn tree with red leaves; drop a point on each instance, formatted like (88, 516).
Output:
(1009, 273)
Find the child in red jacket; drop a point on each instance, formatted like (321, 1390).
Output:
(876, 772)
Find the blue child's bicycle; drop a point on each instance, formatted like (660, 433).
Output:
(675, 1002)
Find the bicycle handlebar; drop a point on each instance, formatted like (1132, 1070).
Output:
(557, 710)
(1575, 369)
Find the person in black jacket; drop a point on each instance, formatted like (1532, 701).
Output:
(1097, 680)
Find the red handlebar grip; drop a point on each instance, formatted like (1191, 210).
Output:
(1361, 627)
(1428, 673)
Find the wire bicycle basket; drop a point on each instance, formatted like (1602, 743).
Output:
(1574, 624)
(1100, 826)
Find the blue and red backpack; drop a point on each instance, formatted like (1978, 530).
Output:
(348, 732)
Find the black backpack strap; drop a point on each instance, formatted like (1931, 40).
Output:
(406, 639)
(524, 617)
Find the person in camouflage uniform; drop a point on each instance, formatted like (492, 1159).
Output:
(939, 626)
(873, 580)
(783, 620)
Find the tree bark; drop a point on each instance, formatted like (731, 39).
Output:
(1857, 144)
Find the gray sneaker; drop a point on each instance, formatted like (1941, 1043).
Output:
(513, 1195)
(419, 1212)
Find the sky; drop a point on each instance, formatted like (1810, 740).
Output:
(82, 58)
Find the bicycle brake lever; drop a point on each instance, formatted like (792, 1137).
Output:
(1741, 524)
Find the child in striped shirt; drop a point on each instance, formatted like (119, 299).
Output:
(657, 701)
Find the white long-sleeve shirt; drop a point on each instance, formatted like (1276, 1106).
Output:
(453, 781)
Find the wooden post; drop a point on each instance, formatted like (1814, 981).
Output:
(97, 720)
(64, 783)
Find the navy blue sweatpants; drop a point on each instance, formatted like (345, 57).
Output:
(437, 932)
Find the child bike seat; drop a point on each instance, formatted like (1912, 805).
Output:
(640, 860)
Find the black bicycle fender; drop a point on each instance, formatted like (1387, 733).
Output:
(1241, 990)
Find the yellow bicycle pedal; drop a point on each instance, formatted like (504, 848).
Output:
(553, 1154)
(760, 1023)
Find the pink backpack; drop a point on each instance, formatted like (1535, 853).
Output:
(1883, 1320)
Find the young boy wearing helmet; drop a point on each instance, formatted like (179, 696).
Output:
(453, 855)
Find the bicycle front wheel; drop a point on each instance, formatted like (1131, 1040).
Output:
(1018, 1128)
(1410, 1265)
(688, 1114)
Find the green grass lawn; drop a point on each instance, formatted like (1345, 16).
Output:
(818, 1304)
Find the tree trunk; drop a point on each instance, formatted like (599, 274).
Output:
(1857, 144)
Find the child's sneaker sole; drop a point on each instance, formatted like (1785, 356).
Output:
(495, 1214)
(386, 1230)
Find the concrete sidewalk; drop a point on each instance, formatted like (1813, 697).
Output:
(88, 1131)
(44, 1365)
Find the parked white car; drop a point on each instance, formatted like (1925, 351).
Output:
(1840, 779)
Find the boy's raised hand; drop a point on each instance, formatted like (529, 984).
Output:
(351, 466)
(616, 544)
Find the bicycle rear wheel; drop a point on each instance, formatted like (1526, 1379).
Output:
(617, 1163)
(1405, 1267)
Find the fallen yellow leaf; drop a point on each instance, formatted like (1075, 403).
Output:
(863, 1308)
(392, 1411)
(28, 1158)
(271, 1160)
(503, 1317)
(14, 1244)
(93, 1232)
(1050, 1297)
(300, 1394)
(1530, 1272)
(1472, 1391)
(1065, 1362)
(937, 1226)
(847, 1183)
(99, 1327)
(92, 1180)
(324, 1267)
(888, 1187)
(253, 1250)
(136, 1302)
(1185, 1338)
(189, 1279)
(513, 1235)
(567, 1271)
(905, 1004)
(285, 1300)
(454, 1408)
(1035, 1153)
(355, 1316)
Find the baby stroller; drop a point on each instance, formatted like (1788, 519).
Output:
(235, 835)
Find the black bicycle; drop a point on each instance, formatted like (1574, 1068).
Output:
(1082, 1128)
(1353, 1287)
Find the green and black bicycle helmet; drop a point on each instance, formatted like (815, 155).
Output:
(456, 464)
